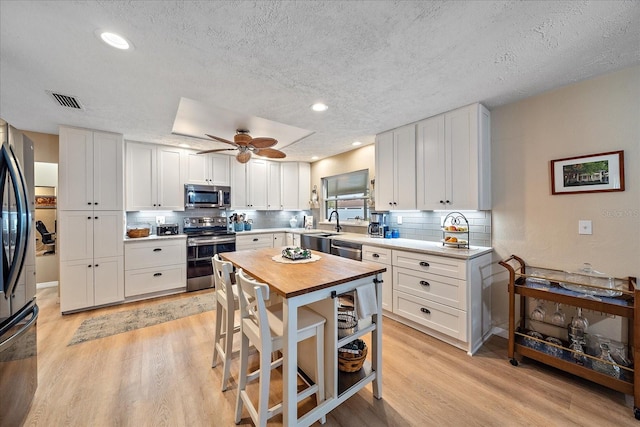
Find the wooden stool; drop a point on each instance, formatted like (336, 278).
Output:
(227, 302)
(262, 326)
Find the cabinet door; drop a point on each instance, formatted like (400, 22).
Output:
(108, 172)
(274, 190)
(141, 177)
(430, 154)
(108, 232)
(296, 183)
(75, 235)
(197, 168)
(279, 240)
(108, 280)
(404, 189)
(75, 169)
(384, 171)
(239, 195)
(170, 188)
(76, 285)
(387, 289)
(219, 172)
(257, 184)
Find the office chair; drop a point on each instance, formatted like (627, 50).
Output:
(47, 238)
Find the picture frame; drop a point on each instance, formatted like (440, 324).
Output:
(592, 173)
(46, 202)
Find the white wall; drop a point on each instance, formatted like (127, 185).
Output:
(594, 116)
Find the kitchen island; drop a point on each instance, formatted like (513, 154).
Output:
(316, 285)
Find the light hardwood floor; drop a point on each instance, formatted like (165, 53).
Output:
(162, 376)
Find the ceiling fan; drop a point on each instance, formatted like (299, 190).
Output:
(245, 144)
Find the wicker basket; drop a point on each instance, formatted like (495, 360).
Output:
(138, 232)
(351, 362)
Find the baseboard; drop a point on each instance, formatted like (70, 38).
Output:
(501, 332)
(47, 285)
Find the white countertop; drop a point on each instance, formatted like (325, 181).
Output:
(154, 237)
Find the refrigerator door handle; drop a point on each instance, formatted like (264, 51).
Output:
(14, 320)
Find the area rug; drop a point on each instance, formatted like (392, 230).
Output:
(125, 321)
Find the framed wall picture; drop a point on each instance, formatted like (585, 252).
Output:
(45, 202)
(588, 174)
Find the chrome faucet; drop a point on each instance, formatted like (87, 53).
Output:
(338, 228)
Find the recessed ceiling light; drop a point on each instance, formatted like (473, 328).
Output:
(319, 107)
(356, 143)
(183, 145)
(115, 40)
(314, 157)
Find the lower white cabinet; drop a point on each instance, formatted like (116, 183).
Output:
(382, 256)
(279, 240)
(89, 283)
(254, 241)
(292, 239)
(153, 266)
(446, 297)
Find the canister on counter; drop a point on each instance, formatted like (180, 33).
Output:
(395, 233)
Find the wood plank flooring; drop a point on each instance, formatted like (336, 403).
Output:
(162, 376)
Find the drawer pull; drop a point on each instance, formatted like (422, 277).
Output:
(378, 281)
(425, 310)
(157, 274)
(157, 249)
(424, 283)
(424, 263)
(255, 240)
(375, 256)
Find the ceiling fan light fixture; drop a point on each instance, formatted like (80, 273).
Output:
(243, 156)
(319, 106)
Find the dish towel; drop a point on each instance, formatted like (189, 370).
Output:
(367, 302)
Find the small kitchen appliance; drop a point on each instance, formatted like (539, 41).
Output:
(167, 229)
(378, 225)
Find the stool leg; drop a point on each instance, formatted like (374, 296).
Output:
(228, 349)
(242, 376)
(216, 338)
(320, 368)
(264, 381)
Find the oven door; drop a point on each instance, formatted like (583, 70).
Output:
(199, 265)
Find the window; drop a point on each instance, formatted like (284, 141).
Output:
(348, 194)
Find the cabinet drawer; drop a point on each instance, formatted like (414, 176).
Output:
(440, 318)
(379, 255)
(439, 265)
(155, 253)
(254, 241)
(147, 280)
(441, 289)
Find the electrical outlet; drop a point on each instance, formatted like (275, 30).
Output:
(159, 220)
(584, 226)
(399, 220)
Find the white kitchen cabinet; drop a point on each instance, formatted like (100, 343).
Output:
(91, 283)
(292, 239)
(255, 241)
(249, 185)
(296, 185)
(91, 258)
(395, 187)
(454, 158)
(274, 186)
(279, 240)
(448, 298)
(207, 169)
(382, 256)
(154, 180)
(90, 170)
(153, 266)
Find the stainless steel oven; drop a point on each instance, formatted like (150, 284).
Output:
(206, 236)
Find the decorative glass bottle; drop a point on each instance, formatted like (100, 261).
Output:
(601, 364)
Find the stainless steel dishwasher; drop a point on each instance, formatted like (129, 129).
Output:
(346, 249)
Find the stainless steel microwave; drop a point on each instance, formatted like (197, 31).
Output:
(206, 196)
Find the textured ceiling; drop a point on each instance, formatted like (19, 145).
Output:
(377, 64)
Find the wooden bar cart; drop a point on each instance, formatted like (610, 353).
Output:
(620, 299)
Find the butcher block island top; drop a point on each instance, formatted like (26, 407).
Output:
(293, 279)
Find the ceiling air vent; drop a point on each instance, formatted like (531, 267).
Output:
(66, 100)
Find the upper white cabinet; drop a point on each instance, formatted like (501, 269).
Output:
(90, 170)
(296, 183)
(249, 184)
(454, 158)
(395, 186)
(154, 177)
(274, 186)
(207, 169)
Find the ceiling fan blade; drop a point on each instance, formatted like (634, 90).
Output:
(217, 138)
(263, 142)
(272, 153)
(243, 156)
(216, 150)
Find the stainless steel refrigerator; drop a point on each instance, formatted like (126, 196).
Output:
(18, 308)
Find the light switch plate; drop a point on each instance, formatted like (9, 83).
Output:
(584, 226)
(159, 220)
(399, 220)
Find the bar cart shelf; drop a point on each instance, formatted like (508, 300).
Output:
(555, 286)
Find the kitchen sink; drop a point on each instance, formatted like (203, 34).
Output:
(317, 241)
